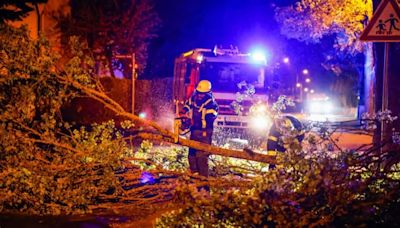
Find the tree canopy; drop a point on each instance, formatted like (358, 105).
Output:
(311, 20)
(113, 27)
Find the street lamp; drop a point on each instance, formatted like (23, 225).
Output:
(133, 62)
(299, 81)
(300, 87)
(286, 60)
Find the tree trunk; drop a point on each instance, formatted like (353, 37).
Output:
(39, 19)
(369, 79)
(245, 154)
(110, 66)
(379, 63)
(394, 92)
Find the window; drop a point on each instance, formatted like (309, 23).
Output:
(225, 77)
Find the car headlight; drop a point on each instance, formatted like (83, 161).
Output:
(320, 107)
(328, 107)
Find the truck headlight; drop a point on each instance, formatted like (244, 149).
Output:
(259, 118)
(260, 122)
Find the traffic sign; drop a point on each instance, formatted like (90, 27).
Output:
(385, 23)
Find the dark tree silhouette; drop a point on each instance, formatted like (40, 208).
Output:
(113, 27)
(16, 10)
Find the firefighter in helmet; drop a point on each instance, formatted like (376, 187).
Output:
(281, 124)
(202, 109)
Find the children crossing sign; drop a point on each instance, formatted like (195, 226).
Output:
(385, 23)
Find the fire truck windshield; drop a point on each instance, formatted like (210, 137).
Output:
(225, 77)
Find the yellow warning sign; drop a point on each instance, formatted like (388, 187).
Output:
(385, 23)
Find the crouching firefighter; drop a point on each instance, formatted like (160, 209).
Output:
(202, 109)
(281, 125)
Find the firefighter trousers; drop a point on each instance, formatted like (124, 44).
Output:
(198, 160)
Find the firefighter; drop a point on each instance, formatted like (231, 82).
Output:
(288, 123)
(202, 109)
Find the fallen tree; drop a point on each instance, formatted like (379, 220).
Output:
(50, 166)
(162, 134)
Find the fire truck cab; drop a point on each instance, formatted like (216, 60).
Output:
(226, 69)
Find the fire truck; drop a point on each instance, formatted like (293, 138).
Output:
(229, 71)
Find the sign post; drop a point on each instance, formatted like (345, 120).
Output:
(133, 79)
(384, 27)
(133, 58)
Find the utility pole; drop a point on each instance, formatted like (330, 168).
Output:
(385, 93)
(133, 78)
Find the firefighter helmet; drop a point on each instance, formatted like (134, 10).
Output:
(204, 86)
(284, 123)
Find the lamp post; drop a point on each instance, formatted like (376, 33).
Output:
(300, 87)
(133, 79)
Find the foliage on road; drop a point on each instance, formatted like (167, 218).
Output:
(310, 187)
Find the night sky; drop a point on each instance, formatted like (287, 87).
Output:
(247, 24)
(189, 24)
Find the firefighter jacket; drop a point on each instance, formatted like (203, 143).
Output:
(274, 143)
(202, 109)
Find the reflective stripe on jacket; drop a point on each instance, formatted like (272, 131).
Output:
(203, 110)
